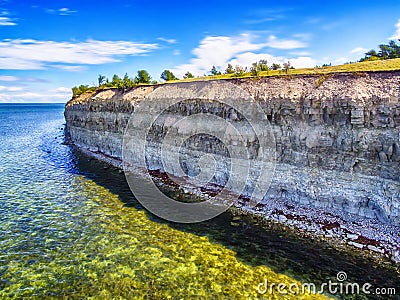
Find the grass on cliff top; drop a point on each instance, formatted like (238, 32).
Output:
(358, 67)
(366, 66)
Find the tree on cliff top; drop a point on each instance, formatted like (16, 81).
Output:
(255, 70)
(115, 80)
(188, 75)
(143, 77)
(101, 79)
(275, 66)
(258, 67)
(229, 69)
(286, 67)
(240, 71)
(167, 75)
(214, 71)
(126, 82)
(386, 51)
(79, 90)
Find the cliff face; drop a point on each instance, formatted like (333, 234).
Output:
(337, 136)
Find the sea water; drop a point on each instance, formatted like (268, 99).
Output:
(70, 227)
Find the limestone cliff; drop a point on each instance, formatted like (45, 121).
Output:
(337, 136)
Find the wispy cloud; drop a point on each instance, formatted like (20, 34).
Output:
(8, 78)
(266, 15)
(246, 59)
(396, 35)
(62, 90)
(10, 88)
(61, 94)
(5, 20)
(306, 36)
(332, 25)
(340, 60)
(70, 68)
(300, 53)
(216, 50)
(242, 50)
(31, 54)
(274, 42)
(262, 20)
(15, 63)
(313, 20)
(358, 50)
(26, 89)
(169, 41)
(64, 11)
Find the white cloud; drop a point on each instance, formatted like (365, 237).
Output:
(31, 54)
(305, 36)
(8, 78)
(63, 90)
(266, 15)
(28, 95)
(216, 50)
(60, 94)
(212, 46)
(313, 21)
(169, 41)
(303, 62)
(10, 88)
(340, 60)
(358, 50)
(13, 63)
(176, 52)
(69, 68)
(241, 50)
(21, 79)
(396, 35)
(6, 21)
(6, 98)
(300, 53)
(262, 20)
(33, 79)
(246, 59)
(274, 42)
(332, 25)
(64, 11)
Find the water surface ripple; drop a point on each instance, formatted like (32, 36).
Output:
(71, 228)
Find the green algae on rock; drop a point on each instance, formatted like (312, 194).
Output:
(122, 253)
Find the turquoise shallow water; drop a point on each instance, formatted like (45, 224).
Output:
(69, 227)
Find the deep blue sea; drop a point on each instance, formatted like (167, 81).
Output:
(70, 228)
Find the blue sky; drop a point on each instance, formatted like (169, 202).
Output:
(46, 47)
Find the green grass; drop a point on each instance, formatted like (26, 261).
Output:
(366, 66)
(358, 67)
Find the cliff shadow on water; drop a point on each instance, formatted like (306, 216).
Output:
(258, 243)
